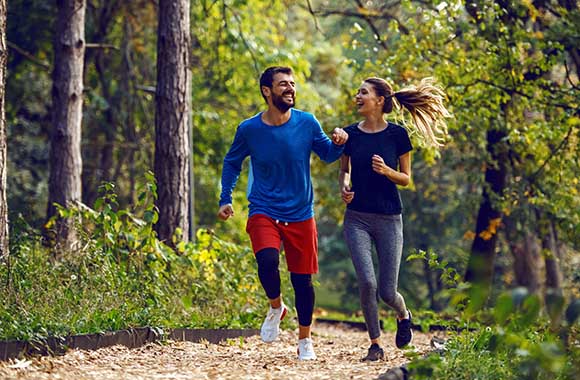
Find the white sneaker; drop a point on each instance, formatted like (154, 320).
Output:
(271, 326)
(306, 349)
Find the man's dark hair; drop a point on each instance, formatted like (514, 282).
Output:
(267, 77)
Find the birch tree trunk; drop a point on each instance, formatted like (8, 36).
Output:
(172, 114)
(3, 157)
(67, 102)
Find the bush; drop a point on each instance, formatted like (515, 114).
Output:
(123, 276)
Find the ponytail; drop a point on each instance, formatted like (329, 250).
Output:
(425, 104)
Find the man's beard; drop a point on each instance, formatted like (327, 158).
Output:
(279, 102)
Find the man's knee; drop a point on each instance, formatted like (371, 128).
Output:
(301, 281)
(268, 259)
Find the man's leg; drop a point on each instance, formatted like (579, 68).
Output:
(301, 248)
(268, 260)
(304, 295)
(265, 236)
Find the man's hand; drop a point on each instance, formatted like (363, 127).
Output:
(346, 194)
(339, 136)
(225, 212)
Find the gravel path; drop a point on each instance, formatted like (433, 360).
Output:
(338, 348)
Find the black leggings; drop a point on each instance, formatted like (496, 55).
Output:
(268, 260)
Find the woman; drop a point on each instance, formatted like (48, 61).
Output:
(377, 158)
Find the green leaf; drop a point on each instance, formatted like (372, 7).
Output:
(503, 308)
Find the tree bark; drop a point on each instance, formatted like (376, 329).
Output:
(3, 147)
(528, 263)
(482, 258)
(97, 171)
(67, 101)
(172, 114)
(552, 258)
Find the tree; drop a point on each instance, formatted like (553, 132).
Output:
(3, 163)
(172, 119)
(509, 71)
(67, 102)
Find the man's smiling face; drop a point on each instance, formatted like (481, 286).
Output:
(283, 91)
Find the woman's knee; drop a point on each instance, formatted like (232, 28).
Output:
(388, 296)
(368, 288)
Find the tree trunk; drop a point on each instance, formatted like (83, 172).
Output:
(67, 101)
(172, 114)
(554, 276)
(481, 260)
(3, 147)
(528, 263)
(127, 89)
(97, 171)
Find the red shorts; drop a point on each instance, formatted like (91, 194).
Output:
(300, 241)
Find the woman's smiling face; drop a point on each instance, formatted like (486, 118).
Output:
(367, 100)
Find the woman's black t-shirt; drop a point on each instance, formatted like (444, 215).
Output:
(373, 192)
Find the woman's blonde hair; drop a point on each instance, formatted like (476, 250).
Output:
(424, 102)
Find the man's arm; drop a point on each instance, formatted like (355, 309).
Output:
(328, 150)
(231, 172)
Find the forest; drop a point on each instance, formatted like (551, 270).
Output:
(117, 116)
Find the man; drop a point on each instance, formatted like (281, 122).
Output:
(279, 142)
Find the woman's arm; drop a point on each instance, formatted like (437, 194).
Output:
(344, 179)
(401, 177)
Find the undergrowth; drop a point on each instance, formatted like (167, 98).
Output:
(120, 275)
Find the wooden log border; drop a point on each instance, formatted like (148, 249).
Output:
(137, 337)
(131, 338)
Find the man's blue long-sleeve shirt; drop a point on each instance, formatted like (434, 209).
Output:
(280, 165)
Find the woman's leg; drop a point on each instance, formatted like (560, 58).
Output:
(359, 243)
(388, 237)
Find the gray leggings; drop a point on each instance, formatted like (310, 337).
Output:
(361, 230)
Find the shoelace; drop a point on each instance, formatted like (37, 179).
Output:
(271, 314)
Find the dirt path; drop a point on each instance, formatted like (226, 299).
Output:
(338, 348)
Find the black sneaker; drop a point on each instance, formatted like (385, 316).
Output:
(375, 353)
(404, 332)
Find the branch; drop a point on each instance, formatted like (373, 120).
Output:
(101, 46)
(518, 92)
(28, 56)
(148, 89)
(568, 76)
(368, 18)
(552, 155)
(311, 10)
(256, 65)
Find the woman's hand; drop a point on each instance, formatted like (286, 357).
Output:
(380, 167)
(346, 194)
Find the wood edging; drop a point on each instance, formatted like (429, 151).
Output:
(137, 337)
(131, 338)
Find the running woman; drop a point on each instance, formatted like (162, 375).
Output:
(377, 159)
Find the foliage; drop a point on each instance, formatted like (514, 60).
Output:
(512, 340)
(122, 276)
(505, 65)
